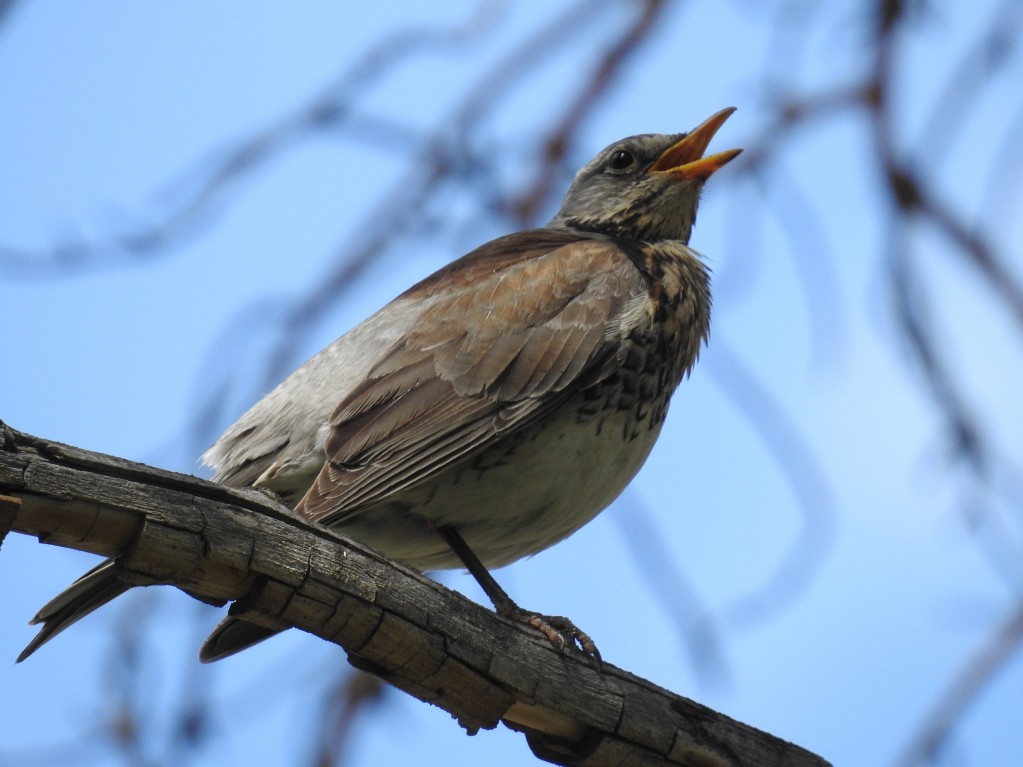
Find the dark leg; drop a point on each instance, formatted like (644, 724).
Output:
(554, 627)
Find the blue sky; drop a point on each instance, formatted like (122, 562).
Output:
(110, 113)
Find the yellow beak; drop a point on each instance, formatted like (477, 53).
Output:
(684, 161)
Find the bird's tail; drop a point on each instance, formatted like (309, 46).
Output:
(92, 590)
(233, 635)
(101, 585)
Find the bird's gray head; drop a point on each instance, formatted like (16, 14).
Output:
(645, 187)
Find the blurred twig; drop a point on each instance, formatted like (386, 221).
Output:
(979, 671)
(805, 476)
(658, 566)
(909, 176)
(593, 87)
(353, 692)
(915, 201)
(198, 193)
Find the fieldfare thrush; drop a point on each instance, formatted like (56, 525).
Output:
(500, 404)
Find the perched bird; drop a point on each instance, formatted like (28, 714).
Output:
(500, 404)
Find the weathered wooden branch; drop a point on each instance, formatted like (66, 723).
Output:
(220, 545)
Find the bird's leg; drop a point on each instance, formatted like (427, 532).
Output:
(554, 627)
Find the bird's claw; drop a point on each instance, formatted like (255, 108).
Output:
(556, 628)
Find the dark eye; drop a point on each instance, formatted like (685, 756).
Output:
(620, 160)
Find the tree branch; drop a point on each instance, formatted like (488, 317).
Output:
(220, 544)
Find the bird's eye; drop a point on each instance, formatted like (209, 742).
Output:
(621, 160)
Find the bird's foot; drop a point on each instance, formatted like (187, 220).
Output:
(555, 627)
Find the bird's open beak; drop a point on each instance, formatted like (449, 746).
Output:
(684, 161)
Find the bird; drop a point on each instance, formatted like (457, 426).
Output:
(498, 405)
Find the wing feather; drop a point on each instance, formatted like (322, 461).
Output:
(490, 355)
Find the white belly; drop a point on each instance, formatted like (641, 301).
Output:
(515, 499)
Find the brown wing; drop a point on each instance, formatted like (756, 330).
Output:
(510, 331)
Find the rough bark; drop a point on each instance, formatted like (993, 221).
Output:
(224, 545)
